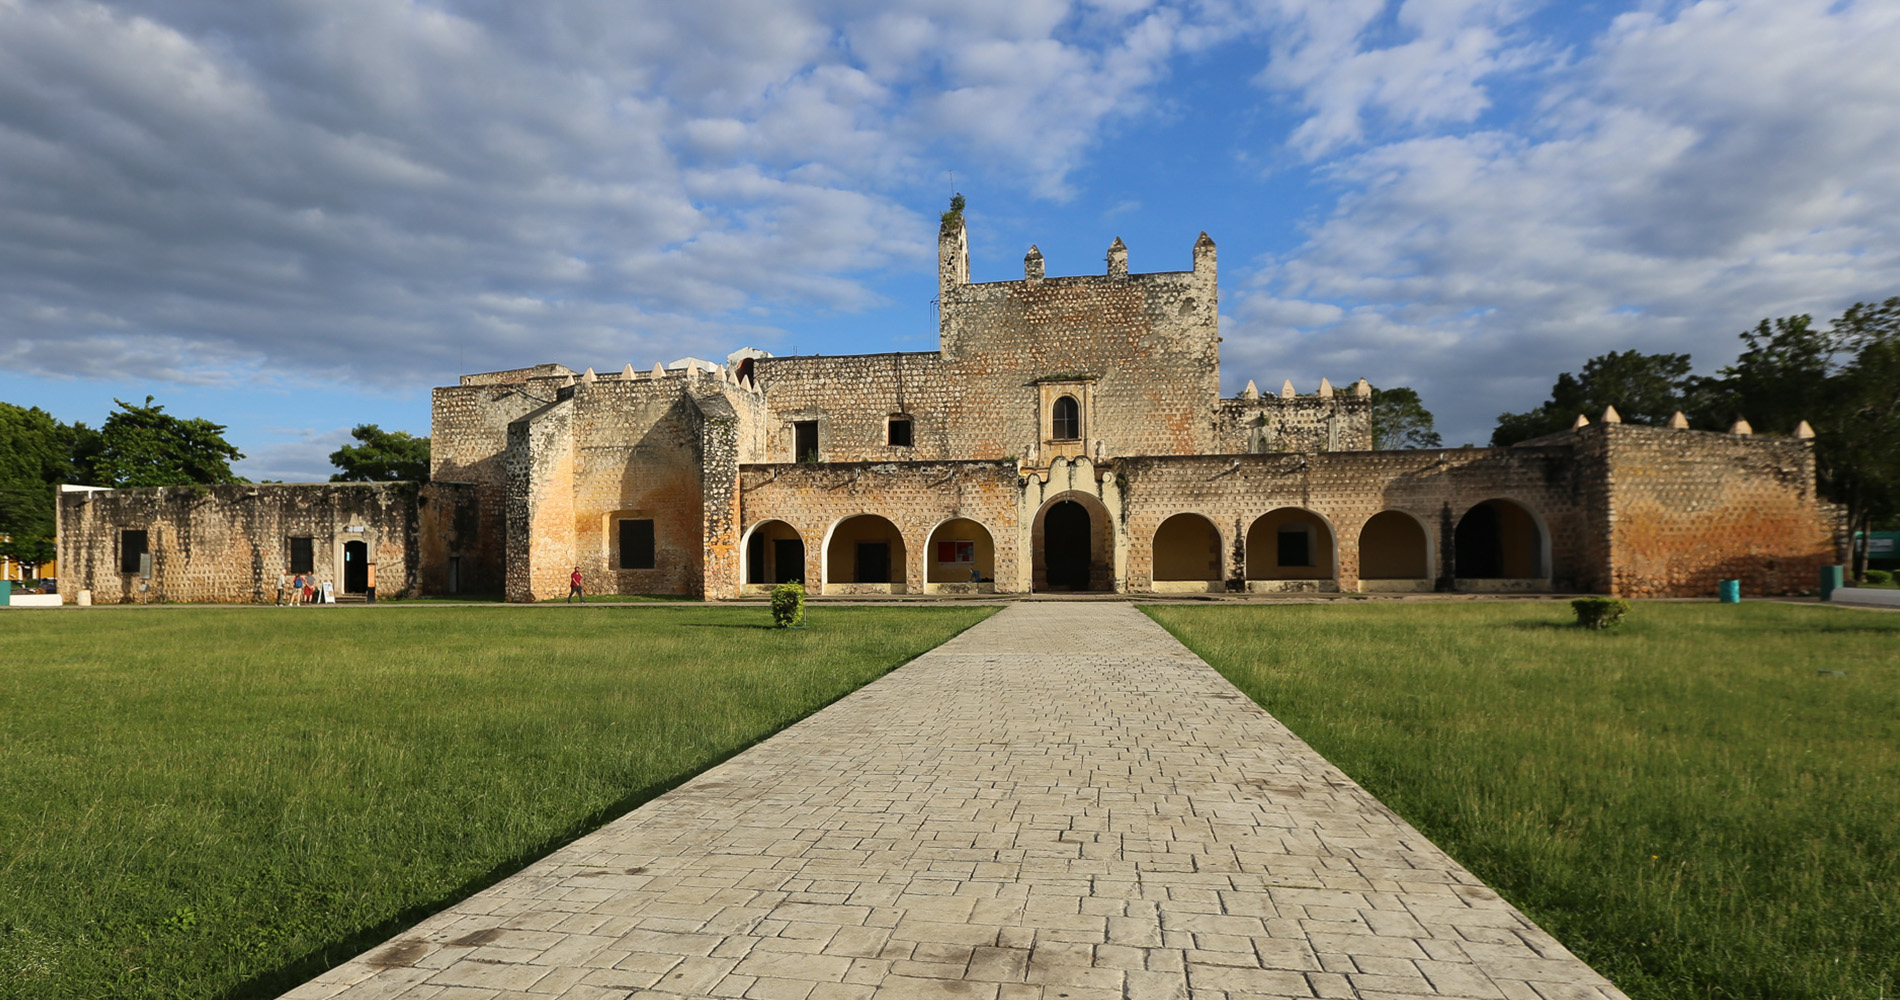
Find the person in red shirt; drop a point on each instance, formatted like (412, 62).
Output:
(574, 587)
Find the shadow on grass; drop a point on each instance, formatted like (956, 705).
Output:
(768, 628)
(1564, 626)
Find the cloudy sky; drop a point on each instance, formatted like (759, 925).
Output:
(291, 216)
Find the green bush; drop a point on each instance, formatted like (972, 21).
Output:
(1879, 576)
(788, 605)
(1600, 612)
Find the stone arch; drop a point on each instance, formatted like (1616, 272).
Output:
(773, 552)
(1292, 549)
(1395, 553)
(864, 554)
(1501, 540)
(1083, 544)
(971, 563)
(1187, 555)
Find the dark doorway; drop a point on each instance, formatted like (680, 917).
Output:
(1480, 551)
(755, 558)
(788, 560)
(355, 567)
(874, 562)
(1065, 546)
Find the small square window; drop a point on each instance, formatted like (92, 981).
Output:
(303, 555)
(636, 544)
(898, 432)
(132, 545)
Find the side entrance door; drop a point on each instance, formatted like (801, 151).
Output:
(874, 562)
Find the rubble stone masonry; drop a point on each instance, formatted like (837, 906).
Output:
(231, 544)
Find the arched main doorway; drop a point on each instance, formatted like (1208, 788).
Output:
(774, 554)
(960, 558)
(1291, 549)
(1187, 555)
(865, 555)
(1500, 540)
(1395, 554)
(1073, 541)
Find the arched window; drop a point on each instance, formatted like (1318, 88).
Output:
(1066, 421)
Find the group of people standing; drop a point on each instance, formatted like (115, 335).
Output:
(301, 589)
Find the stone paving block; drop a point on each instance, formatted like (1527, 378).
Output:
(1062, 803)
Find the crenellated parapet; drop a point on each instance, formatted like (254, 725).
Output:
(1326, 420)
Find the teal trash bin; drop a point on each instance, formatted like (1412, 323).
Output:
(6, 593)
(1832, 579)
(1730, 591)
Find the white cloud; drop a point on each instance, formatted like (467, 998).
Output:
(346, 188)
(1703, 168)
(1415, 63)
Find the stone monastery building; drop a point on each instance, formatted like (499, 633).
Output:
(1068, 435)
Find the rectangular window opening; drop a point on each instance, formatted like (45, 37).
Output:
(899, 432)
(133, 543)
(303, 555)
(805, 440)
(636, 544)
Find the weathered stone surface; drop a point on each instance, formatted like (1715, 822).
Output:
(233, 543)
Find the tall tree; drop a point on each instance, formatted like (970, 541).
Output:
(1644, 388)
(1858, 444)
(1784, 375)
(1401, 421)
(145, 446)
(381, 456)
(37, 453)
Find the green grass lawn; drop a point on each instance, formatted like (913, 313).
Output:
(1692, 803)
(206, 802)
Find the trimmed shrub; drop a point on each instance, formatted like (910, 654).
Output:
(788, 605)
(1879, 576)
(1600, 612)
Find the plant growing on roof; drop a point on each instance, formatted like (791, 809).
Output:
(955, 215)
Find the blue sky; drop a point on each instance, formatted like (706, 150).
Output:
(295, 216)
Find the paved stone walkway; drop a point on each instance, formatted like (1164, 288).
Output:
(1062, 803)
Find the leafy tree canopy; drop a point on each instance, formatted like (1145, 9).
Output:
(382, 456)
(145, 446)
(1644, 388)
(1401, 421)
(37, 453)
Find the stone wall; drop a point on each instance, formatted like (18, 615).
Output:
(1324, 421)
(1344, 490)
(231, 544)
(1140, 353)
(916, 497)
(1690, 508)
(852, 399)
(662, 447)
(468, 443)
